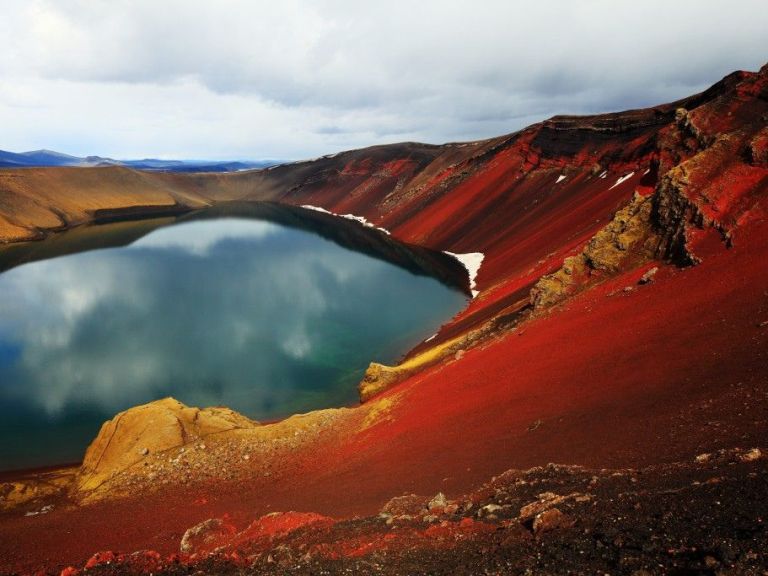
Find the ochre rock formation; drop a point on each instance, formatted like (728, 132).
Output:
(377, 378)
(628, 235)
(148, 429)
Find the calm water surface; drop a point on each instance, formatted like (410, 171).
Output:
(264, 318)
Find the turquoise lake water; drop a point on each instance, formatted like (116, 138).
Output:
(264, 318)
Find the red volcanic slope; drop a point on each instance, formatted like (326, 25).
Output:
(502, 196)
(611, 377)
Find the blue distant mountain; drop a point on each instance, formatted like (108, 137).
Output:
(42, 158)
(11, 159)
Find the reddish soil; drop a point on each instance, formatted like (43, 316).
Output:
(684, 518)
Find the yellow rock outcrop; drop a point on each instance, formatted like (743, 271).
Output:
(629, 234)
(155, 427)
(377, 379)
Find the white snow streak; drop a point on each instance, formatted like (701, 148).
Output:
(472, 262)
(622, 179)
(560, 178)
(361, 219)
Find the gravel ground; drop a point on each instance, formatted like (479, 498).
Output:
(700, 517)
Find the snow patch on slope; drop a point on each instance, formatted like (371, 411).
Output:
(622, 179)
(472, 262)
(560, 178)
(361, 219)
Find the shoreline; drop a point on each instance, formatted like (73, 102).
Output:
(25, 473)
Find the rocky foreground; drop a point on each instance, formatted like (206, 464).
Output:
(682, 518)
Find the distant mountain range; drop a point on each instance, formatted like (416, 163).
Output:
(39, 158)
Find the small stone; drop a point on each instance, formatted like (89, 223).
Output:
(701, 458)
(451, 509)
(488, 510)
(100, 559)
(711, 562)
(407, 504)
(752, 455)
(144, 451)
(459, 354)
(535, 508)
(206, 536)
(551, 519)
(535, 425)
(629, 288)
(439, 501)
(647, 278)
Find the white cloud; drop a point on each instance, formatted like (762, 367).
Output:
(297, 78)
(198, 238)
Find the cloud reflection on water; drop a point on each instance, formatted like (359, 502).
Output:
(246, 313)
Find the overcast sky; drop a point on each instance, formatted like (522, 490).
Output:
(292, 79)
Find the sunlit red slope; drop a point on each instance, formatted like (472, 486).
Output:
(531, 198)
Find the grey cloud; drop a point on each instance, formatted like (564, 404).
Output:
(331, 130)
(434, 70)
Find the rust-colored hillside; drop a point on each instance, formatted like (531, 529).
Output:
(621, 322)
